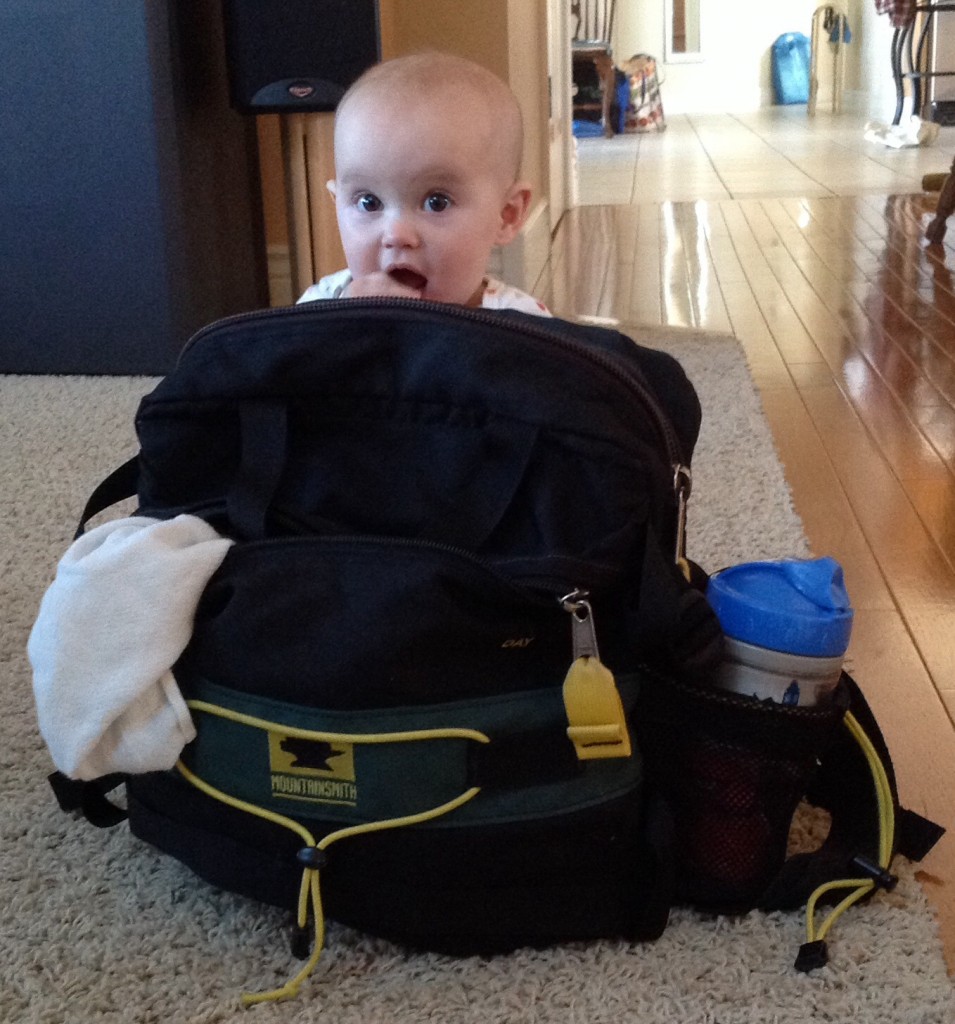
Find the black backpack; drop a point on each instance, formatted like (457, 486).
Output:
(437, 513)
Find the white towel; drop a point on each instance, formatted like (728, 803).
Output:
(110, 627)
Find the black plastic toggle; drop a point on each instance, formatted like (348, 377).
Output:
(883, 879)
(301, 942)
(312, 857)
(812, 955)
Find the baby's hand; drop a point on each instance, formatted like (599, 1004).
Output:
(379, 283)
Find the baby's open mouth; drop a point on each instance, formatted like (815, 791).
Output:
(409, 278)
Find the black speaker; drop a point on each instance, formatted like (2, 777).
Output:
(297, 55)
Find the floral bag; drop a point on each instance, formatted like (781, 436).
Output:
(645, 107)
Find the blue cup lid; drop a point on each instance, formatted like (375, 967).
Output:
(799, 606)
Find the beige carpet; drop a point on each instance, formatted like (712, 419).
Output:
(97, 927)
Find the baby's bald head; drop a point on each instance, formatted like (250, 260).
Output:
(464, 91)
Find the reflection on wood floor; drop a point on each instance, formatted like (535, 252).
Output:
(848, 322)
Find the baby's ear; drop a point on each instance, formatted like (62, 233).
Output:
(514, 212)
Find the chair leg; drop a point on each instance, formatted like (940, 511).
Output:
(935, 232)
(606, 74)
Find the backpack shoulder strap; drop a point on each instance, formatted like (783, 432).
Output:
(122, 483)
(856, 784)
(89, 798)
(844, 786)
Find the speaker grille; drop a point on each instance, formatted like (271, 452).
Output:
(297, 55)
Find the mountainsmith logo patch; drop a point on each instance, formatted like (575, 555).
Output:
(312, 770)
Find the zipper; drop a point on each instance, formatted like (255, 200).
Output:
(682, 479)
(540, 588)
(477, 315)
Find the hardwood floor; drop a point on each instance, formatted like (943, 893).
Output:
(806, 242)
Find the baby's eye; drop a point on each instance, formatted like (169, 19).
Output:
(368, 202)
(437, 202)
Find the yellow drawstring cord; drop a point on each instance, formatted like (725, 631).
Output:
(310, 889)
(338, 737)
(861, 886)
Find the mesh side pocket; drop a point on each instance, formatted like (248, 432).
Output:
(732, 770)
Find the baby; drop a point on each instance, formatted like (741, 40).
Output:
(427, 164)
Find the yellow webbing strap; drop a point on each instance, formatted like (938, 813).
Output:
(860, 886)
(310, 890)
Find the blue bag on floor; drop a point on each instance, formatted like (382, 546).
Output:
(790, 64)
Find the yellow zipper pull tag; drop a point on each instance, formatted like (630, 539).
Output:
(597, 721)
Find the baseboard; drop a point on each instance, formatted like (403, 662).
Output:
(280, 276)
(522, 262)
(858, 102)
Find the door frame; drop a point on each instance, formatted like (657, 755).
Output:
(561, 170)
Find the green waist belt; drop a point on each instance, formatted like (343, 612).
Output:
(360, 766)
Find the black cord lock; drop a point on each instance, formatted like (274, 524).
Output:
(312, 857)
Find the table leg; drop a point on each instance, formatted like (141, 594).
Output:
(935, 232)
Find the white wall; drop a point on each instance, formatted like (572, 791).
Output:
(869, 87)
(737, 37)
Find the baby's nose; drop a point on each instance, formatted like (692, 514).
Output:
(400, 231)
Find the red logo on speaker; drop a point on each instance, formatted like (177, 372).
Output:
(301, 90)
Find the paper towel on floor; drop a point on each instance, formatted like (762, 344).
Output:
(914, 132)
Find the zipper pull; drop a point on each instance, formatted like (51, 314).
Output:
(682, 484)
(597, 723)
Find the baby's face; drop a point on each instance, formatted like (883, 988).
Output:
(422, 197)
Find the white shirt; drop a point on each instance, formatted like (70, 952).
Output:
(497, 295)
